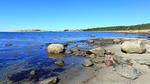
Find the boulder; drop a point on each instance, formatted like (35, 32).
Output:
(52, 80)
(137, 46)
(59, 63)
(97, 51)
(55, 48)
(99, 60)
(87, 62)
(79, 53)
(127, 71)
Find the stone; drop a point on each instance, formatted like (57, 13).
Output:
(33, 73)
(76, 45)
(99, 60)
(91, 56)
(116, 41)
(137, 46)
(92, 35)
(127, 71)
(68, 52)
(87, 63)
(55, 48)
(59, 63)
(74, 49)
(109, 52)
(97, 51)
(52, 80)
(109, 63)
(79, 53)
(120, 60)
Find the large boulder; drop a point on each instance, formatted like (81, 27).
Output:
(137, 46)
(55, 48)
(97, 51)
(127, 71)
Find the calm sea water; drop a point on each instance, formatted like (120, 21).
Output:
(27, 52)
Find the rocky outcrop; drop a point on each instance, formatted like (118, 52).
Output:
(55, 48)
(97, 51)
(137, 46)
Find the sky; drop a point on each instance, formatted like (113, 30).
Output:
(71, 14)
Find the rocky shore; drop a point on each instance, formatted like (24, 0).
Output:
(110, 61)
(134, 31)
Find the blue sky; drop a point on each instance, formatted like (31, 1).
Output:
(71, 14)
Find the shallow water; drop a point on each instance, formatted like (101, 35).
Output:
(27, 52)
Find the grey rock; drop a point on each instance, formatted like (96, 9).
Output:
(52, 80)
(87, 62)
(99, 60)
(127, 71)
(97, 51)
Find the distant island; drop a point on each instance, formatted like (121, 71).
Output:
(27, 30)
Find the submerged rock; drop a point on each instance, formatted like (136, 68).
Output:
(55, 48)
(8, 44)
(59, 63)
(87, 62)
(127, 71)
(97, 51)
(134, 47)
(52, 80)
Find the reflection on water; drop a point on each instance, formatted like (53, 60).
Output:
(56, 55)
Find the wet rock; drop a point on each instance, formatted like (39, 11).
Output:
(79, 53)
(52, 80)
(97, 51)
(33, 73)
(68, 52)
(127, 71)
(137, 46)
(92, 35)
(99, 60)
(8, 44)
(55, 48)
(87, 62)
(120, 60)
(59, 63)
(109, 63)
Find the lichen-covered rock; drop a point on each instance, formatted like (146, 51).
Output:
(137, 46)
(52, 80)
(97, 51)
(127, 71)
(87, 62)
(55, 48)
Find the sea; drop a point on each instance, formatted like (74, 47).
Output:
(23, 52)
